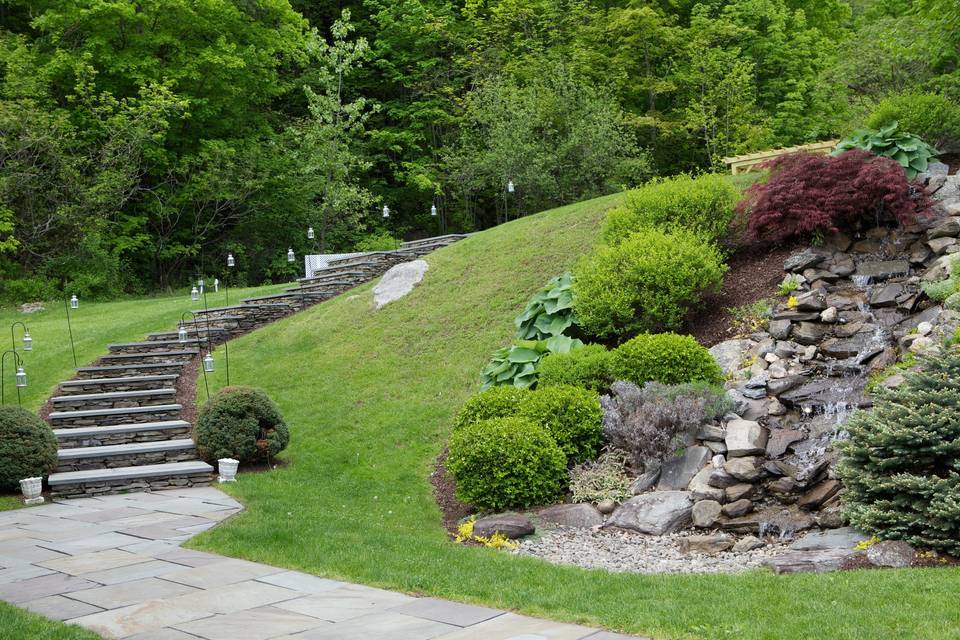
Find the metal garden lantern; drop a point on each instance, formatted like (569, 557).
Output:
(27, 341)
(510, 187)
(208, 363)
(182, 336)
(21, 378)
(290, 255)
(74, 302)
(433, 210)
(310, 234)
(386, 211)
(194, 294)
(230, 261)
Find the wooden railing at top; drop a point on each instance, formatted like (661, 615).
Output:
(748, 162)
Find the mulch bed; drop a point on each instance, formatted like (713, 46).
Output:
(859, 561)
(755, 273)
(443, 487)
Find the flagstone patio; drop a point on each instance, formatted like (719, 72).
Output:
(114, 565)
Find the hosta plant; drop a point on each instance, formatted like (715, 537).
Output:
(517, 364)
(549, 312)
(909, 151)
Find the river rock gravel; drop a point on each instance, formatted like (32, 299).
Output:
(626, 551)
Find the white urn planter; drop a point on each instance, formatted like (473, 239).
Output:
(31, 488)
(228, 469)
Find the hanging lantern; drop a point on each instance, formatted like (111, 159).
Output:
(182, 335)
(74, 303)
(21, 378)
(208, 363)
(230, 261)
(216, 285)
(386, 211)
(433, 210)
(310, 234)
(27, 341)
(194, 294)
(290, 255)
(510, 186)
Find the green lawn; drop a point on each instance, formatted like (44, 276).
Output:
(18, 624)
(95, 324)
(370, 396)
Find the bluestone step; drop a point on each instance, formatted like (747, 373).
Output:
(101, 435)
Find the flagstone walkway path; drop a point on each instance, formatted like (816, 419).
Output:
(114, 565)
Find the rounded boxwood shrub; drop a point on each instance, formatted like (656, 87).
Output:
(242, 423)
(28, 447)
(704, 205)
(506, 463)
(571, 415)
(589, 367)
(646, 283)
(495, 402)
(930, 116)
(667, 358)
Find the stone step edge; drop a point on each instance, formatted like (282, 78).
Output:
(136, 393)
(237, 307)
(111, 429)
(133, 448)
(58, 415)
(118, 367)
(128, 380)
(194, 467)
(156, 354)
(149, 343)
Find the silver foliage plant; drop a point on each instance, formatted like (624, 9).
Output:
(649, 422)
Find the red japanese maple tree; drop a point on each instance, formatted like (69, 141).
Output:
(806, 193)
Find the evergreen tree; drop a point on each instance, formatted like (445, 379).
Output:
(901, 465)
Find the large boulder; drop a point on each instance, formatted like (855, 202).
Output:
(677, 472)
(730, 354)
(581, 516)
(512, 525)
(843, 538)
(654, 513)
(708, 544)
(745, 438)
(398, 281)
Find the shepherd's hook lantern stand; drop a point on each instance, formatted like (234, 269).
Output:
(20, 377)
(184, 337)
(27, 340)
(72, 303)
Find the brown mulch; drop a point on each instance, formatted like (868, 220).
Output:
(443, 487)
(859, 561)
(186, 387)
(755, 272)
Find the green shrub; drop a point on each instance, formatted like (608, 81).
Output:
(909, 151)
(377, 242)
(517, 364)
(667, 358)
(28, 447)
(900, 464)
(927, 115)
(550, 311)
(589, 367)
(506, 463)
(242, 423)
(571, 415)
(646, 283)
(704, 205)
(495, 402)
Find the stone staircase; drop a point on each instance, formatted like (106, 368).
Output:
(119, 423)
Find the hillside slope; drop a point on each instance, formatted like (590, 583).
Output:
(370, 396)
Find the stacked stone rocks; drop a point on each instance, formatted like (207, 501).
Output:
(118, 423)
(766, 468)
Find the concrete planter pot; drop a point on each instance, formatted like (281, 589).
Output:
(31, 488)
(228, 469)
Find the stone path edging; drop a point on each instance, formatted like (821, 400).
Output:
(113, 564)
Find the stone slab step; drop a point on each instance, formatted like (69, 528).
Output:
(121, 433)
(192, 334)
(128, 370)
(143, 358)
(93, 417)
(244, 308)
(129, 383)
(78, 453)
(100, 481)
(114, 399)
(449, 238)
(153, 346)
(291, 295)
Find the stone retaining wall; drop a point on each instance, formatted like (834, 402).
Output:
(126, 437)
(111, 387)
(84, 490)
(70, 404)
(133, 460)
(66, 422)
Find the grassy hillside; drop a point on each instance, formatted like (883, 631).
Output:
(370, 396)
(95, 324)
